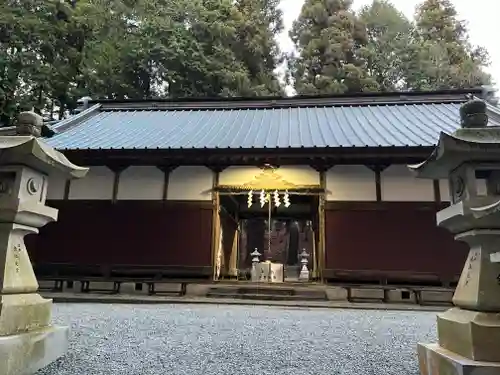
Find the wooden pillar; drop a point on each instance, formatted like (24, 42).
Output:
(166, 169)
(117, 169)
(321, 250)
(378, 184)
(67, 188)
(378, 169)
(233, 259)
(216, 224)
(319, 256)
(437, 193)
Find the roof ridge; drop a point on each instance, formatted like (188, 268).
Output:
(356, 95)
(278, 104)
(72, 121)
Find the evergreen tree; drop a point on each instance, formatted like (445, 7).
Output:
(388, 37)
(332, 46)
(440, 55)
(53, 52)
(259, 23)
(23, 35)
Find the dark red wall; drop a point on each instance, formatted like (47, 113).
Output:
(126, 232)
(390, 237)
(387, 237)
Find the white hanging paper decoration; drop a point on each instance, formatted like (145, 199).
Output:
(286, 199)
(250, 198)
(262, 198)
(276, 198)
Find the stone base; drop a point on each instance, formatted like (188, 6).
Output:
(23, 312)
(434, 360)
(26, 353)
(471, 334)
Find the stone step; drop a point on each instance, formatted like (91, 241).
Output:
(268, 297)
(253, 290)
(268, 291)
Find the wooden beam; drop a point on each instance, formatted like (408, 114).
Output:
(67, 188)
(166, 169)
(378, 206)
(117, 169)
(216, 169)
(437, 191)
(321, 166)
(378, 169)
(378, 185)
(224, 157)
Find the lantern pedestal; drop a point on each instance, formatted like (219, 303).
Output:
(435, 360)
(32, 350)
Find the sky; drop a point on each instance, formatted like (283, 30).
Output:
(481, 16)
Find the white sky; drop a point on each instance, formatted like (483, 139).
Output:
(482, 17)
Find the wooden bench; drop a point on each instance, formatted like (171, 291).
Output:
(415, 290)
(70, 269)
(85, 284)
(160, 272)
(119, 274)
(382, 277)
(182, 291)
(54, 288)
(58, 282)
(152, 275)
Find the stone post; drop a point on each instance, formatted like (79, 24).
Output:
(28, 341)
(469, 333)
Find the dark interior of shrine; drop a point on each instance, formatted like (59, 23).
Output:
(290, 231)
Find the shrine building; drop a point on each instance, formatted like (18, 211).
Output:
(190, 188)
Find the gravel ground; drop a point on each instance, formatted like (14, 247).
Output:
(206, 340)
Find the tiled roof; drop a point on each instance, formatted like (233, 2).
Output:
(381, 122)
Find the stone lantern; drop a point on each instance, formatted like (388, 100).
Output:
(28, 341)
(469, 333)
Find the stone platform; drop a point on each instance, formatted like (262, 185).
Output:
(434, 360)
(287, 291)
(29, 352)
(265, 291)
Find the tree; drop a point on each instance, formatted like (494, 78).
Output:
(42, 45)
(388, 32)
(259, 22)
(332, 46)
(120, 60)
(440, 55)
(53, 52)
(20, 32)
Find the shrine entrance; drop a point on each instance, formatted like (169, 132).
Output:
(270, 224)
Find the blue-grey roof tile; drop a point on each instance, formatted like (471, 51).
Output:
(378, 125)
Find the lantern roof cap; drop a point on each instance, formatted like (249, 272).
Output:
(466, 145)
